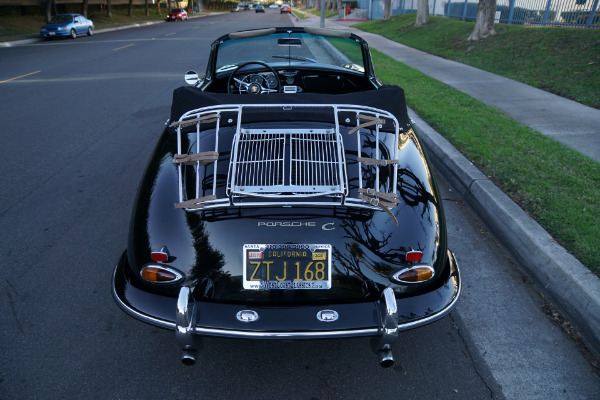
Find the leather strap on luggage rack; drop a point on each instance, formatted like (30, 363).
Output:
(191, 159)
(195, 203)
(372, 161)
(370, 121)
(190, 122)
(386, 201)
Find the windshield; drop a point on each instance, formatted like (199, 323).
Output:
(60, 19)
(291, 49)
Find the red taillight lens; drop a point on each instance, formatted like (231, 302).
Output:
(159, 274)
(159, 257)
(414, 256)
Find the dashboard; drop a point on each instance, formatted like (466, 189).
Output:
(296, 81)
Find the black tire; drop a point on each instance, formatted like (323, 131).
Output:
(73, 34)
(90, 31)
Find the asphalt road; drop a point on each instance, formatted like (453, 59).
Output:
(78, 126)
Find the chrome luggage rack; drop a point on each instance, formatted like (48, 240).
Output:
(290, 166)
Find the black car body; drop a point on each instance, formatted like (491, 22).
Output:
(259, 9)
(288, 197)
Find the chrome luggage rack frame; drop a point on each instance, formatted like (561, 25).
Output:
(304, 166)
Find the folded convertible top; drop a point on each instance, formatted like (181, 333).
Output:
(389, 98)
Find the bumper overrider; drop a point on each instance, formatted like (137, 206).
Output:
(191, 319)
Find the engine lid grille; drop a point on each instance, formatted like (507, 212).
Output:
(283, 162)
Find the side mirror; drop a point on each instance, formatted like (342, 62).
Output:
(192, 78)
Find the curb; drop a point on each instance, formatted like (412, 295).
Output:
(574, 289)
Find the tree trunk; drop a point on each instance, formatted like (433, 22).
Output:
(84, 8)
(158, 7)
(387, 9)
(49, 10)
(109, 9)
(422, 13)
(484, 24)
(130, 12)
(147, 4)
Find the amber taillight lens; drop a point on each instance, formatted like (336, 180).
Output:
(158, 274)
(416, 274)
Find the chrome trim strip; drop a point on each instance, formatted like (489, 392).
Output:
(455, 273)
(286, 335)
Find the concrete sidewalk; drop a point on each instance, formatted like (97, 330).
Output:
(571, 286)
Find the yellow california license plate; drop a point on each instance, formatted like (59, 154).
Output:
(287, 266)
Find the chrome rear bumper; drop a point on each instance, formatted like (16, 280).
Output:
(192, 319)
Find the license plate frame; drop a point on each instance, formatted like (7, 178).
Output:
(286, 266)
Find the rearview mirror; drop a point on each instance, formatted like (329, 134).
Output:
(289, 42)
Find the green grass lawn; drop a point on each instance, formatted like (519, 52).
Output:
(328, 13)
(564, 61)
(299, 14)
(557, 186)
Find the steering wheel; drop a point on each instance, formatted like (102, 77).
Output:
(254, 87)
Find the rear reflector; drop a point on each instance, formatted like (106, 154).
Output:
(160, 256)
(414, 256)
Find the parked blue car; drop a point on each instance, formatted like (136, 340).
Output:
(67, 25)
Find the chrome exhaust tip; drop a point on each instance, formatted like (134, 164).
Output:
(188, 357)
(386, 358)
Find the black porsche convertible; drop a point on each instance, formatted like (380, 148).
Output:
(289, 197)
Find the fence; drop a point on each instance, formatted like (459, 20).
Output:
(573, 13)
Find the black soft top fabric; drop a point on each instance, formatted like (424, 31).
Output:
(389, 98)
